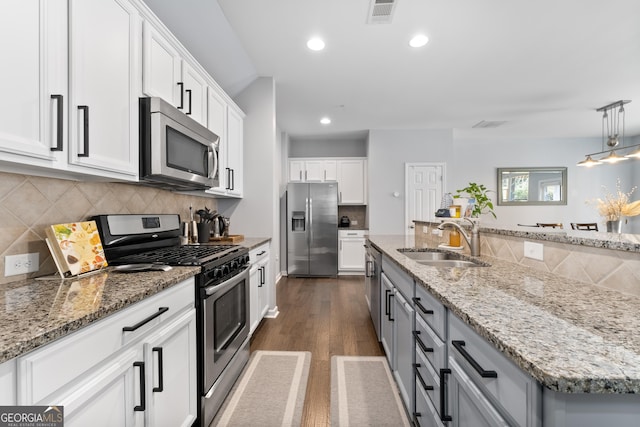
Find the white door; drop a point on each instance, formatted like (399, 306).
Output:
(424, 184)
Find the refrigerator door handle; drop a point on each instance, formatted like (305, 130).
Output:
(310, 202)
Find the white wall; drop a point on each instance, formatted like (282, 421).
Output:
(328, 148)
(389, 150)
(476, 160)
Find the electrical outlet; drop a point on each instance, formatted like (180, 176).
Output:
(425, 229)
(437, 232)
(21, 264)
(354, 222)
(533, 250)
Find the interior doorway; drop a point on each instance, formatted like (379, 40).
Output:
(424, 188)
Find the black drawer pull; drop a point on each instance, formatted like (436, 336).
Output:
(391, 295)
(443, 395)
(189, 93)
(459, 345)
(181, 106)
(147, 320)
(160, 387)
(386, 302)
(143, 403)
(424, 348)
(59, 120)
(416, 300)
(85, 128)
(419, 377)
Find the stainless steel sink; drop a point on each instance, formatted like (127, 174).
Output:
(429, 256)
(460, 263)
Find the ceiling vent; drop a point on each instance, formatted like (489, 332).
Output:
(488, 124)
(381, 11)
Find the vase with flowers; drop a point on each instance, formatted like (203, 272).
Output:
(614, 206)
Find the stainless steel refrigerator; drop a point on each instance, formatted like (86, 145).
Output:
(312, 229)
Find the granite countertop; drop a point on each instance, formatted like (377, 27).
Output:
(37, 312)
(571, 336)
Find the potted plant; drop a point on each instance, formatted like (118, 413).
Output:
(479, 193)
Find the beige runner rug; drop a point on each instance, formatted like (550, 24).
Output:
(270, 391)
(364, 393)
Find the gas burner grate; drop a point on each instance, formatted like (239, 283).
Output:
(180, 255)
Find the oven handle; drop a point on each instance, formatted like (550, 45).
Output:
(208, 291)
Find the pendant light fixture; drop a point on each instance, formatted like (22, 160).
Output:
(613, 121)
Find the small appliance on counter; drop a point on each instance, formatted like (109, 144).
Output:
(344, 221)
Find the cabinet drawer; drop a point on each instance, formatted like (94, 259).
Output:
(432, 311)
(427, 379)
(45, 370)
(512, 390)
(259, 253)
(426, 414)
(435, 349)
(399, 278)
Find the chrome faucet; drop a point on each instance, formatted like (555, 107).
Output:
(473, 241)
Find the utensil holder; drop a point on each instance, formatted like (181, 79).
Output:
(204, 232)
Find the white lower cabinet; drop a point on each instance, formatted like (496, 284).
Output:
(136, 367)
(259, 284)
(387, 307)
(403, 372)
(351, 251)
(8, 383)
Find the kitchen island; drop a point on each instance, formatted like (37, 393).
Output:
(579, 341)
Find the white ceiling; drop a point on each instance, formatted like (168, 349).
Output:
(542, 66)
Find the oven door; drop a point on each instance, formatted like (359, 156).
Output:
(225, 323)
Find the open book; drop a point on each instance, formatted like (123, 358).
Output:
(76, 247)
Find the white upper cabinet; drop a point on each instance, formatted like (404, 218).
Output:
(104, 75)
(352, 183)
(313, 170)
(33, 46)
(168, 75)
(235, 150)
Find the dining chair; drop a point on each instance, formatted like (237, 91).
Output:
(592, 226)
(550, 225)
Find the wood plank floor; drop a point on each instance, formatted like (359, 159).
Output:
(326, 316)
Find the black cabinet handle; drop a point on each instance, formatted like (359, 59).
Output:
(262, 276)
(160, 387)
(419, 377)
(443, 395)
(60, 112)
(422, 308)
(143, 402)
(147, 320)
(261, 253)
(386, 302)
(228, 179)
(233, 179)
(85, 128)
(181, 106)
(189, 93)
(459, 345)
(424, 348)
(391, 296)
(368, 267)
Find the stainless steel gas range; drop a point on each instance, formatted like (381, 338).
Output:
(222, 294)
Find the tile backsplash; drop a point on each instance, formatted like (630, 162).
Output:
(354, 212)
(28, 204)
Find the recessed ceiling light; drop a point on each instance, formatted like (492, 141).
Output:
(419, 40)
(315, 44)
(325, 120)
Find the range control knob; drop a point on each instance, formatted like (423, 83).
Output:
(233, 265)
(217, 273)
(225, 270)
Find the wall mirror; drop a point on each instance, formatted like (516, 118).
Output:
(532, 186)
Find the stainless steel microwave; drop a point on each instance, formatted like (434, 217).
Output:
(176, 152)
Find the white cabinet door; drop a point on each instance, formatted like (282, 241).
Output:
(161, 66)
(235, 165)
(104, 75)
(330, 170)
(110, 396)
(217, 123)
(351, 182)
(296, 170)
(351, 254)
(387, 307)
(8, 381)
(314, 170)
(170, 356)
(259, 285)
(403, 373)
(33, 48)
(195, 94)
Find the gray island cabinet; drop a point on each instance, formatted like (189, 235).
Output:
(509, 345)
